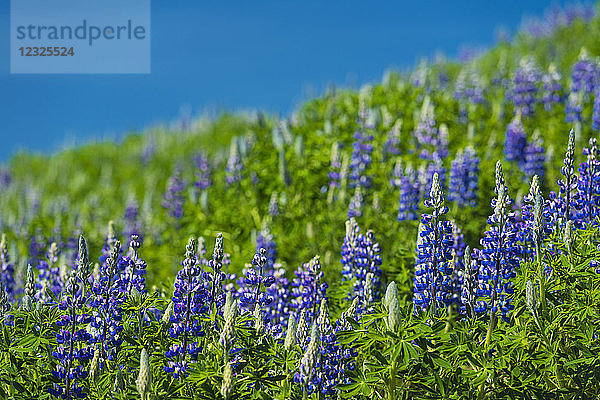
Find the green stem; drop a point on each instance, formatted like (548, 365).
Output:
(392, 390)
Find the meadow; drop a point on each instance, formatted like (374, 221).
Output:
(433, 235)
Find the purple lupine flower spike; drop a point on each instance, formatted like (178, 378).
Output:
(7, 270)
(233, 169)
(133, 224)
(174, 197)
(534, 162)
(49, 277)
(409, 195)
(588, 185)
(552, 88)
(433, 269)
(464, 176)
(189, 305)
(73, 351)
(525, 87)
(361, 154)
(106, 300)
(499, 253)
(516, 141)
(203, 172)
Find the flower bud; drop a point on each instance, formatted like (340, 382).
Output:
(144, 379)
(290, 335)
(227, 385)
(95, 366)
(394, 316)
(166, 317)
(119, 383)
(531, 297)
(259, 322)
(390, 293)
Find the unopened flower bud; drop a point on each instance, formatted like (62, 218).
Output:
(144, 379)
(290, 335)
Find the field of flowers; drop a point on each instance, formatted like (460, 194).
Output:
(435, 235)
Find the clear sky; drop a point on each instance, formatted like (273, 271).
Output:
(230, 55)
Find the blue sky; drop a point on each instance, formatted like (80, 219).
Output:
(240, 55)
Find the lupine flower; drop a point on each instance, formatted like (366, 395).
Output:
(588, 185)
(516, 141)
(471, 91)
(397, 174)
(458, 251)
(308, 290)
(583, 74)
(250, 290)
(429, 141)
(464, 176)
(73, 351)
(534, 158)
(361, 261)
(568, 185)
(432, 282)
(216, 278)
(133, 268)
(596, 110)
(203, 173)
(356, 203)
(29, 296)
(7, 270)
(5, 179)
(391, 145)
(499, 249)
(4, 301)
(524, 87)
(233, 169)
(302, 328)
(174, 198)
(133, 224)
(361, 155)
(273, 205)
(189, 299)
(420, 74)
(573, 108)
(37, 246)
(409, 195)
(149, 150)
(309, 359)
(335, 168)
(553, 93)
(265, 240)
(426, 175)
(468, 295)
(108, 295)
(536, 223)
(109, 242)
(280, 296)
(82, 263)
